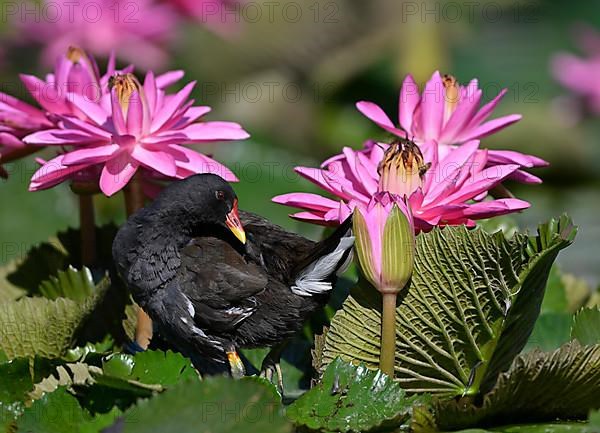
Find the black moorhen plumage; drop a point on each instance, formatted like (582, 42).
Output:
(214, 281)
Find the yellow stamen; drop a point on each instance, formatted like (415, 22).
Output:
(125, 85)
(402, 168)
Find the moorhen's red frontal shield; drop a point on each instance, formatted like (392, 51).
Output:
(234, 223)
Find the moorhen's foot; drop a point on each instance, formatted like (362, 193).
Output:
(272, 364)
(269, 368)
(236, 366)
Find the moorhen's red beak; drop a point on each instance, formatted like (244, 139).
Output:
(234, 224)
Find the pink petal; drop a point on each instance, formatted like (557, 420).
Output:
(60, 137)
(308, 201)
(408, 102)
(483, 181)
(490, 127)
(489, 209)
(90, 155)
(512, 157)
(432, 107)
(10, 141)
(151, 91)
(117, 114)
(461, 118)
(196, 162)
(135, 115)
(524, 177)
(488, 108)
(46, 95)
(117, 172)
(162, 162)
(313, 217)
(91, 109)
(376, 114)
(212, 131)
(165, 80)
(170, 107)
(85, 127)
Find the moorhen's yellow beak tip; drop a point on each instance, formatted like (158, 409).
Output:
(239, 233)
(234, 224)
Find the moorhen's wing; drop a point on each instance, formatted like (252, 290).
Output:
(219, 283)
(276, 249)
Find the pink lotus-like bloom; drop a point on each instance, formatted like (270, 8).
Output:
(447, 189)
(580, 74)
(385, 241)
(75, 72)
(140, 29)
(133, 127)
(217, 15)
(450, 115)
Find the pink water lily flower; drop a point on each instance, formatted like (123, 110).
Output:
(220, 16)
(441, 190)
(450, 114)
(74, 72)
(134, 127)
(580, 74)
(141, 29)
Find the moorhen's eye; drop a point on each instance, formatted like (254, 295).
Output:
(220, 195)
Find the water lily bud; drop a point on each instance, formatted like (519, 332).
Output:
(385, 242)
(402, 168)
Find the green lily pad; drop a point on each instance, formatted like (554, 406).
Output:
(216, 405)
(353, 399)
(60, 412)
(540, 386)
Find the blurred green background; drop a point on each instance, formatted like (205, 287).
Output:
(292, 80)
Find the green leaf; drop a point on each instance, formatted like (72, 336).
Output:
(72, 284)
(17, 379)
(164, 368)
(216, 405)
(352, 399)
(564, 384)
(40, 262)
(47, 259)
(59, 412)
(551, 330)
(586, 326)
(469, 310)
(44, 327)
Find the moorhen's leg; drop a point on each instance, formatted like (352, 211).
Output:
(272, 364)
(236, 366)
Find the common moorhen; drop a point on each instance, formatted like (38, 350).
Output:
(214, 280)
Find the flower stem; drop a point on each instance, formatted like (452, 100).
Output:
(388, 334)
(134, 201)
(87, 229)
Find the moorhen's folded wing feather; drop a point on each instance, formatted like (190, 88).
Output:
(219, 283)
(275, 248)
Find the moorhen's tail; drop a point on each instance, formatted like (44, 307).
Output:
(316, 273)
